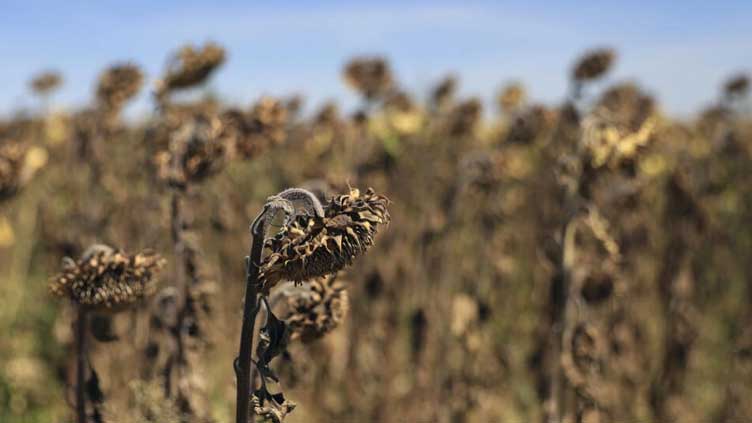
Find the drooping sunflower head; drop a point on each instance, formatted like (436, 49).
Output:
(593, 64)
(118, 84)
(107, 280)
(312, 246)
(313, 310)
(191, 66)
(369, 76)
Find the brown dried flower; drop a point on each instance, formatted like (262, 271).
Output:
(464, 117)
(608, 142)
(593, 64)
(315, 309)
(11, 162)
(530, 123)
(512, 97)
(46, 82)
(263, 127)
(191, 66)
(197, 150)
(117, 85)
(628, 104)
(443, 94)
(18, 163)
(736, 86)
(105, 279)
(370, 76)
(312, 247)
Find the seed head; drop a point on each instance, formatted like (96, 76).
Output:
(18, 163)
(11, 162)
(370, 76)
(263, 127)
(465, 117)
(736, 86)
(512, 97)
(606, 141)
(190, 67)
(627, 104)
(311, 246)
(593, 64)
(105, 279)
(46, 82)
(530, 124)
(443, 94)
(315, 309)
(197, 150)
(117, 85)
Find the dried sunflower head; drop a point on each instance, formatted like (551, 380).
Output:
(105, 279)
(198, 149)
(263, 127)
(443, 93)
(593, 64)
(313, 310)
(191, 66)
(736, 86)
(511, 97)
(18, 163)
(464, 117)
(46, 82)
(607, 142)
(11, 162)
(117, 85)
(311, 246)
(370, 76)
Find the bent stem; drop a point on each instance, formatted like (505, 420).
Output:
(250, 309)
(81, 364)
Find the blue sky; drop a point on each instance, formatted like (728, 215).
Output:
(680, 51)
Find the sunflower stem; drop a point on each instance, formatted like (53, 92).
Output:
(81, 364)
(243, 370)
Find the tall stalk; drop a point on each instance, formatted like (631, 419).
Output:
(243, 370)
(81, 364)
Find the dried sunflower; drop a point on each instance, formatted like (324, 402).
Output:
(316, 309)
(46, 82)
(11, 163)
(105, 279)
(370, 76)
(593, 64)
(464, 117)
(117, 85)
(311, 246)
(263, 127)
(198, 148)
(736, 86)
(18, 164)
(191, 66)
(443, 93)
(511, 97)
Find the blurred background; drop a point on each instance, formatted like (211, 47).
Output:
(570, 205)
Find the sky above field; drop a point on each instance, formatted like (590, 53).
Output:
(680, 51)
